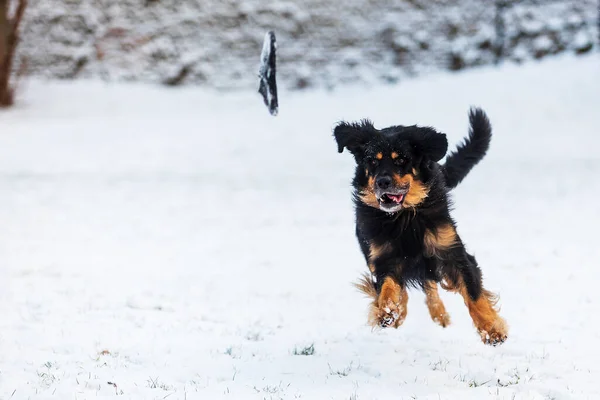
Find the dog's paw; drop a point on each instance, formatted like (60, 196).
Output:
(494, 335)
(389, 309)
(442, 320)
(387, 315)
(493, 338)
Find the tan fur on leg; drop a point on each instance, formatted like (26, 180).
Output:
(491, 327)
(389, 308)
(436, 307)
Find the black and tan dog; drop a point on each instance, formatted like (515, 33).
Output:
(403, 221)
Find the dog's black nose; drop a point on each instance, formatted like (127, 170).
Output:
(384, 182)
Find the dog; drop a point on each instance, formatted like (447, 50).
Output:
(403, 222)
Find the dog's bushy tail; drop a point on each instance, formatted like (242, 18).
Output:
(365, 284)
(467, 154)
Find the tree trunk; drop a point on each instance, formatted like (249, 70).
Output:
(4, 74)
(8, 44)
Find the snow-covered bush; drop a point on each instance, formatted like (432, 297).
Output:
(321, 43)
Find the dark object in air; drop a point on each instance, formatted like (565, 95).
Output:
(267, 73)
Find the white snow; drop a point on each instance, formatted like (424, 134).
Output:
(543, 44)
(184, 244)
(582, 40)
(218, 41)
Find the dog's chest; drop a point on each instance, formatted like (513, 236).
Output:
(404, 236)
(408, 240)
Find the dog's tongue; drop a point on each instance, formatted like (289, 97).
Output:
(396, 198)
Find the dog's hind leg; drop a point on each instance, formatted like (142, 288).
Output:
(491, 327)
(436, 307)
(464, 276)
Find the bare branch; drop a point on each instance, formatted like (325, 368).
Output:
(16, 21)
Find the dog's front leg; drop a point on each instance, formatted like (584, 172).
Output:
(389, 309)
(389, 305)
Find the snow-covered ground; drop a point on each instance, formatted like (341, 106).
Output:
(185, 244)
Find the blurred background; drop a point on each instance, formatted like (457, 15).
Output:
(321, 43)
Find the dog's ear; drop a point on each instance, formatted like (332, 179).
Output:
(430, 144)
(353, 136)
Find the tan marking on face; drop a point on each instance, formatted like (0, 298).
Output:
(417, 191)
(379, 156)
(394, 155)
(402, 181)
(367, 194)
(376, 251)
(414, 171)
(442, 239)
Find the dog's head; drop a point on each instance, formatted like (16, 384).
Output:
(390, 162)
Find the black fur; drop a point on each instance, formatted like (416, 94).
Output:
(460, 162)
(400, 151)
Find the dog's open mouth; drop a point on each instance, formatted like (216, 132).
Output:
(391, 201)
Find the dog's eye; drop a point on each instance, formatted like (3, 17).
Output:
(400, 161)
